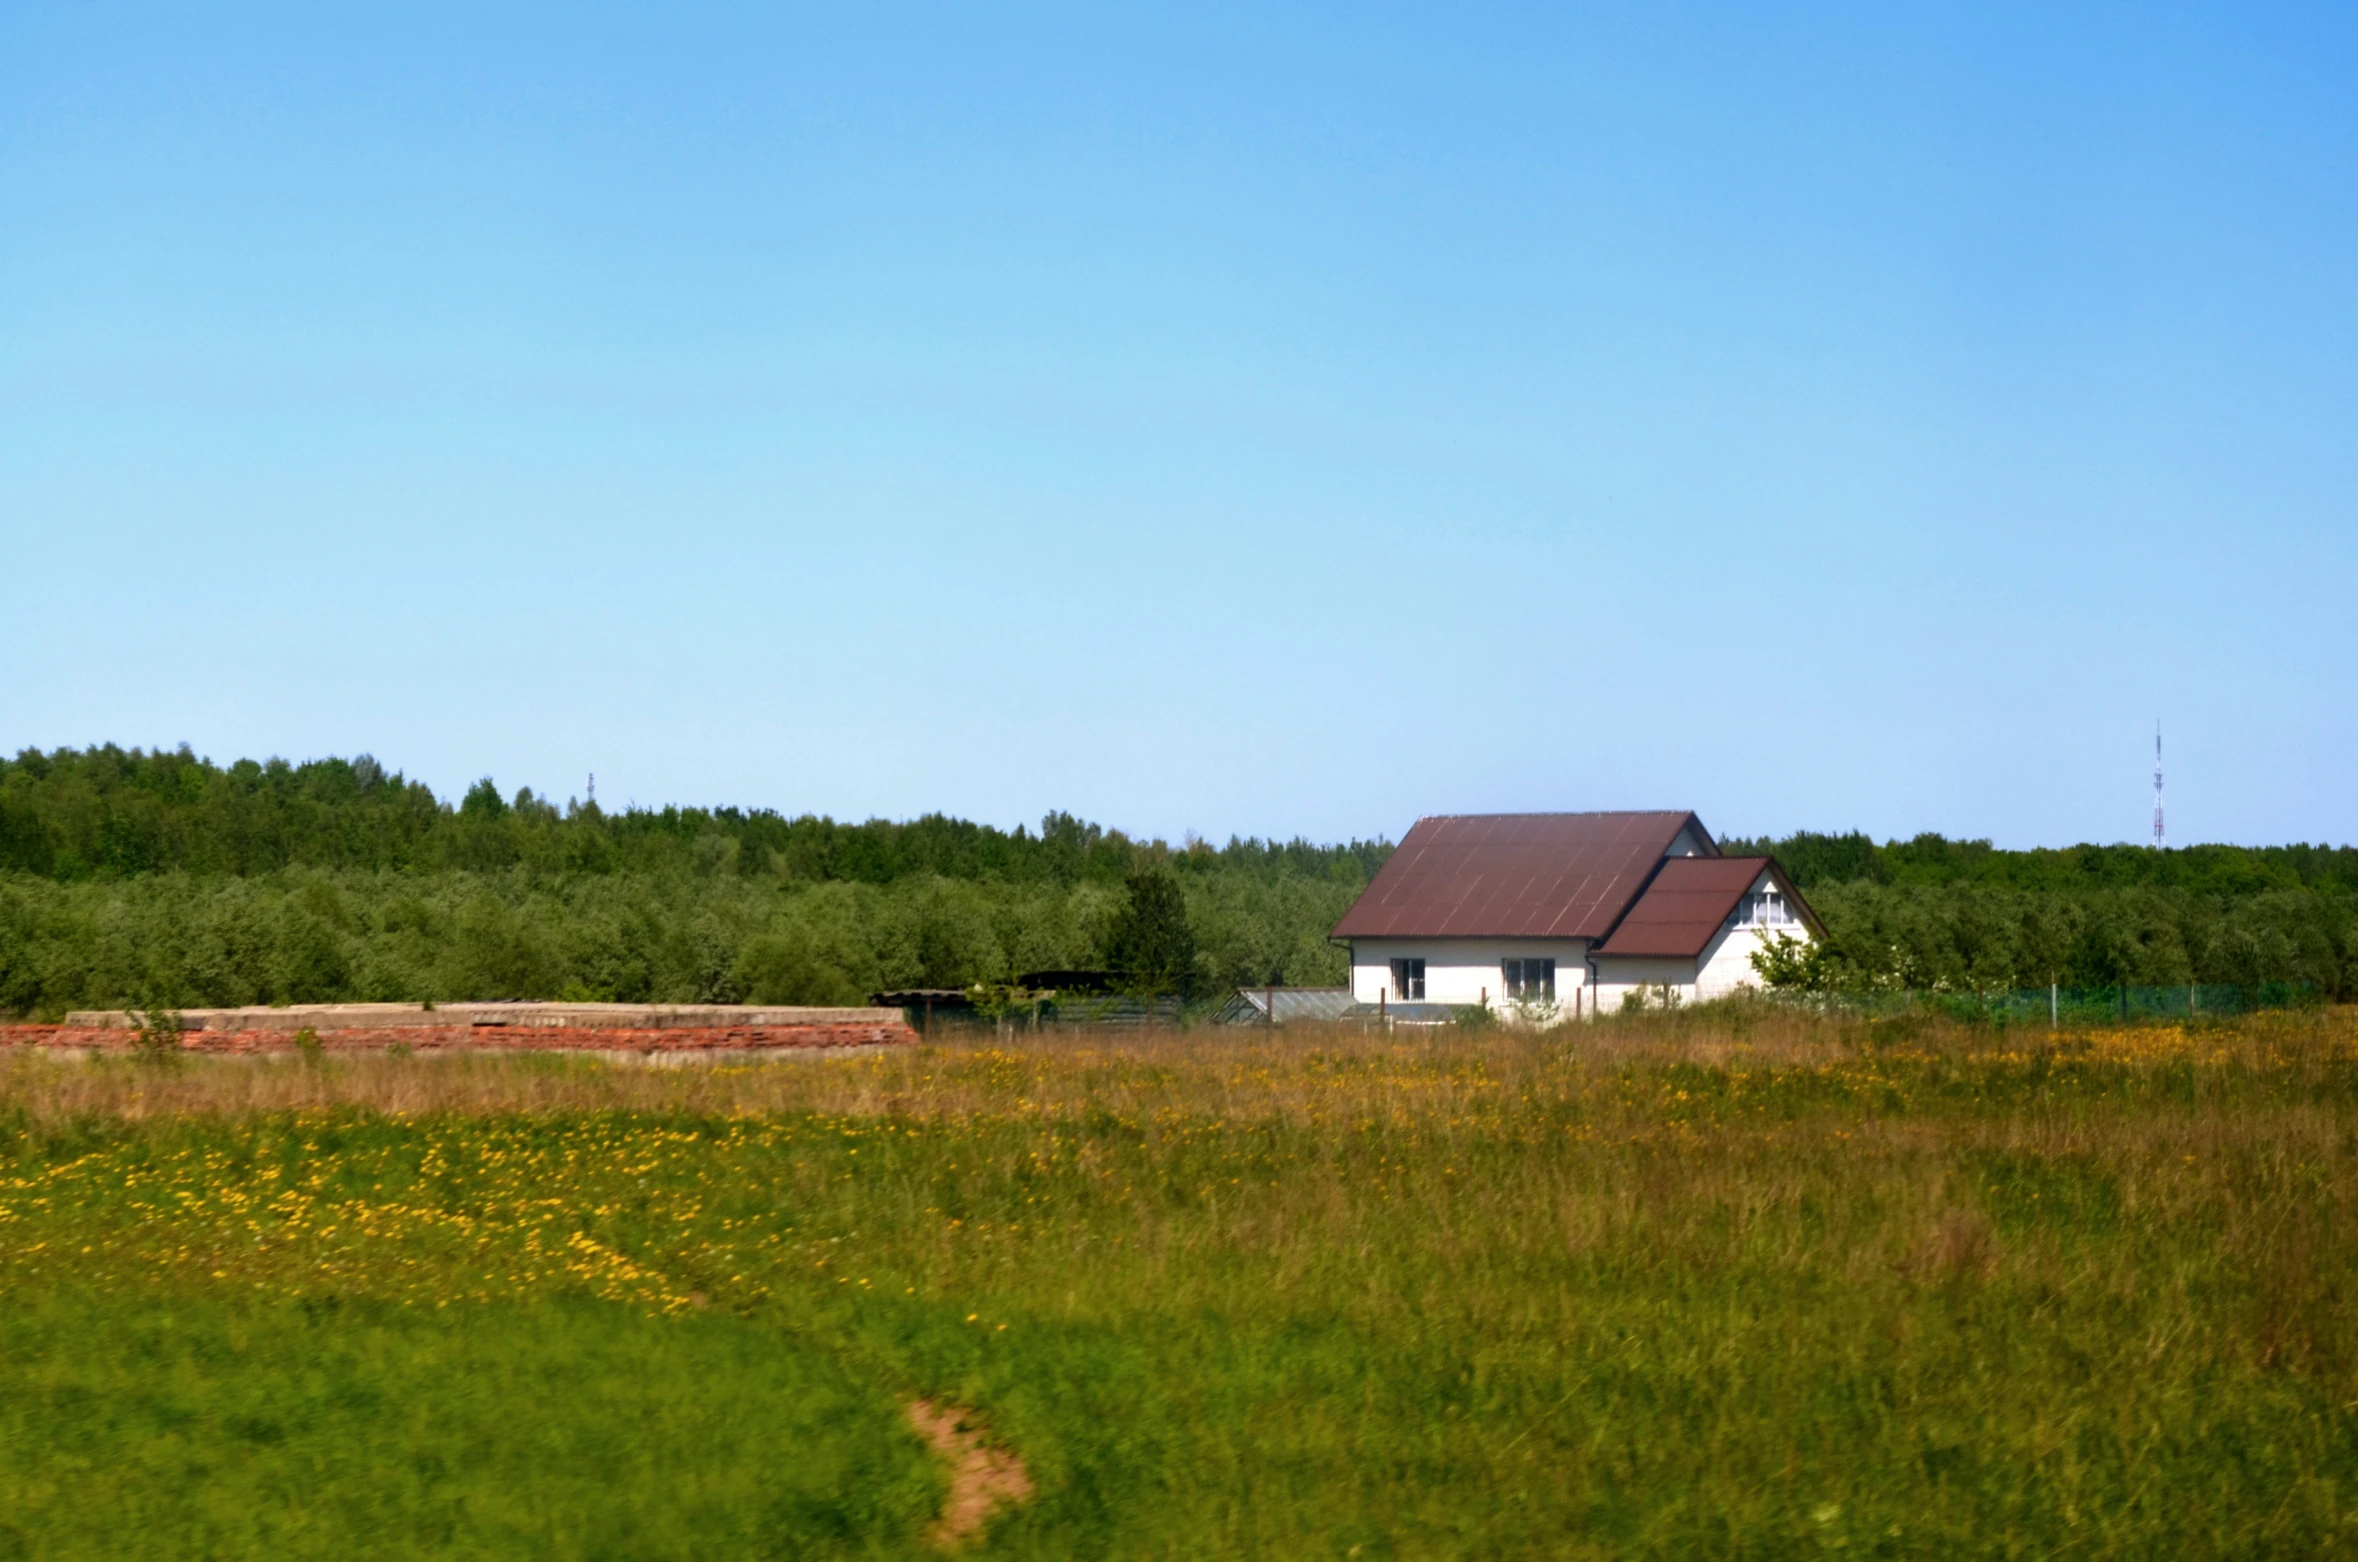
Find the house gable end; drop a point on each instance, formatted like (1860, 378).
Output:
(1690, 901)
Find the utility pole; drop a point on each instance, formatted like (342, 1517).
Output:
(2158, 838)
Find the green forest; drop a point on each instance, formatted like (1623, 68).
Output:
(1932, 914)
(157, 877)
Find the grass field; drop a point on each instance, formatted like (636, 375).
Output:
(1719, 1283)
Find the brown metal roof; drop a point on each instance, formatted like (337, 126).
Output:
(1515, 875)
(1687, 904)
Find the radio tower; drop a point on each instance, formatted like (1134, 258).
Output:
(2158, 839)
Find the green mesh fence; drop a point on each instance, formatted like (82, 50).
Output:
(2083, 1005)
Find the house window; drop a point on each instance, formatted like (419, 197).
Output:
(1765, 909)
(1408, 980)
(1531, 981)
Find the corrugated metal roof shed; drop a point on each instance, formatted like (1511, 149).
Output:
(1515, 875)
(1250, 1006)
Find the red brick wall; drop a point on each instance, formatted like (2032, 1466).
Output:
(508, 1038)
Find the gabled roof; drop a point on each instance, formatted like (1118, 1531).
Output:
(1689, 902)
(1516, 875)
(1686, 904)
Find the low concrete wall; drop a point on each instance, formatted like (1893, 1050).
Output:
(559, 1027)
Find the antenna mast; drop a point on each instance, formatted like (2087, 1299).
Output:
(2158, 839)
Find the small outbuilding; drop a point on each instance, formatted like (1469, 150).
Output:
(1541, 915)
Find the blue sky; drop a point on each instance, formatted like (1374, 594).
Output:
(1259, 420)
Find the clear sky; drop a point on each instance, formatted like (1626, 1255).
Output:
(1261, 419)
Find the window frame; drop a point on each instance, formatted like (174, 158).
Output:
(1528, 978)
(1408, 971)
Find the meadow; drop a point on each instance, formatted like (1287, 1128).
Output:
(1735, 1281)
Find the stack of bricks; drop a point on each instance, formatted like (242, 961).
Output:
(487, 1027)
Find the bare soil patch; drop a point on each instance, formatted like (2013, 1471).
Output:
(982, 1478)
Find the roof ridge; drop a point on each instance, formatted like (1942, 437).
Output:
(1566, 874)
(1571, 813)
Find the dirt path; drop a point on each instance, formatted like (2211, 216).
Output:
(981, 1477)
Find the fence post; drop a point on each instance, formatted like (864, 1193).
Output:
(2054, 1004)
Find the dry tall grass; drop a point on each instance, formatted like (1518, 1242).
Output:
(1302, 1071)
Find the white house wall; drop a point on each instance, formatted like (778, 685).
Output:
(1727, 964)
(1724, 965)
(1727, 961)
(1620, 975)
(1464, 970)
(1470, 970)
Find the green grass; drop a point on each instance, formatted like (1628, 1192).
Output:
(195, 1425)
(1727, 1284)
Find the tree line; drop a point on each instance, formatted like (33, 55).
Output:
(130, 877)
(300, 935)
(138, 877)
(1936, 862)
(112, 813)
(1932, 914)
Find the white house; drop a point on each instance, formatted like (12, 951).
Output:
(1576, 911)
